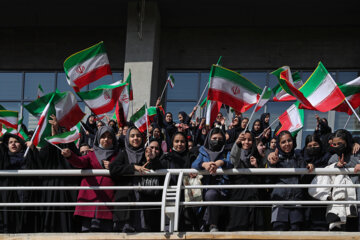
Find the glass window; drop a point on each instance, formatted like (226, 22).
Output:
(108, 79)
(176, 107)
(10, 86)
(186, 87)
(32, 81)
(344, 77)
(259, 78)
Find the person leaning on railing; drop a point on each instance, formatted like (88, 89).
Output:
(96, 218)
(285, 218)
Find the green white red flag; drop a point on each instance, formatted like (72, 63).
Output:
(151, 111)
(351, 90)
(103, 98)
(232, 89)
(77, 128)
(43, 128)
(292, 119)
(140, 119)
(40, 91)
(281, 95)
(321, 91)
(87, 66)
(67, 110)
(66, 137)
(9, 118)
(265, 98)
(212, 110)
(171, 81)
(122, 106)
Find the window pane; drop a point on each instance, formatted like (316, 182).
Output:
(344, 77)
(258, 78)
(108, 79)
(10, 86)
(186, 87)
(32, 81)
(63, 86)
(353, 125)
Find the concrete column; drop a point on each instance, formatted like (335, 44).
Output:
(142, 52)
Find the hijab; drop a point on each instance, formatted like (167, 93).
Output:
(213, 153)
(258, 132)
(263, 124)
(135, 155)
(101, 153)
(281, 152)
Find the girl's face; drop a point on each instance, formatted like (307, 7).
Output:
(91, 119)
(313, 144)
(261, 149)
(179, 143)
(154, 146)
(273, 143)
(286, 143)
(217, 136)
(14, 145)
(244, 122)
(267, 119)
(156, 133)
(99, 125)
(135, 138)
(337, 142)
(235, 122)
(247, 143)
(106, 140)
(124, 131)
(168, 117)
(180, 118)
(257, 126)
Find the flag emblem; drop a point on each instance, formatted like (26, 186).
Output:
(80, 69)
(235, 90)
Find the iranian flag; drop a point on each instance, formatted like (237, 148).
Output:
(66, 137)
(43, 128)
(77, 128)
(281, 95)
(9, 118)
(232, 89)
(103, 98)
(287, 84)
(171, 81)
(21, 132)
(151, 111)
(265, 98)
(40, 91)
(292, 119)
(213, 108)
(352, 92)
(321, 90)
(5, 129)
(139, 119)
(122, 106)
(67, 110)
(87, 66)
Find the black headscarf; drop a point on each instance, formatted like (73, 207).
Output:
(16, 160)
(235, 131)
(281, 152)
(101, 153)
(135, 155)
(186, 118)
(263, 124)
(258, 132)
(90, 127)
(213, 154)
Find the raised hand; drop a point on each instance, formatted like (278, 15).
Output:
(341, 163)
(66, 152)
(273, 157)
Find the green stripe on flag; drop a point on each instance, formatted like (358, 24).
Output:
(84, 55)
(202, 104)
(62, 135)
(221, 72)
(152, 111)
(314, 80)
(2, 107)
(8, 113)
(138, 114)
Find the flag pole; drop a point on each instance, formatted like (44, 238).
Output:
(81, 124)
(147, 126)
(252, 114)
(353, 110)
(32, 138)
(164, 89)
(54, 145)
(347, 121)
(269, 126)
(202, 94)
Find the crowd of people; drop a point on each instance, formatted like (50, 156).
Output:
(187, 144)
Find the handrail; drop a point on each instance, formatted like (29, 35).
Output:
(162, 172)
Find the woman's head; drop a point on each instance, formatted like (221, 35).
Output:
(285, 142)
(313, 146)
(217, 140)
(244, 122)
(91, 119)
(341, 142)
(155, 147)
(261, 147)
(135, 137)
(257, 125)
(14, 145)
(179, 142)
(248, 141)
(100, 124)
(272, 143)
(105, 138)
(168, 117)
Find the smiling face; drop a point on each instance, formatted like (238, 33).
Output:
(179, 143)
(135, 138)
(286, 143)
(244, 122)
(257, 126)
(14, 145)
(247, 143)
(106, 140)
(168, 117)
(267, 119)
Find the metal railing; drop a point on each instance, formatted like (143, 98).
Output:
(170, 202)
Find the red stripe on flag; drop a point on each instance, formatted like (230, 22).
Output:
(332, 101)
(72, 117)
(36, 138)
(110, 105)
(284, 99)
(344, 107)
(229, 100)
(8, 124)
(92, 76)
(285, 122)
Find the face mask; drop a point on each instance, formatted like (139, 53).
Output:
(216, 145)
(313, 151)
(338, 150)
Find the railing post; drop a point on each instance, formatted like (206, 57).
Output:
(163, 201)
(177, 201)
